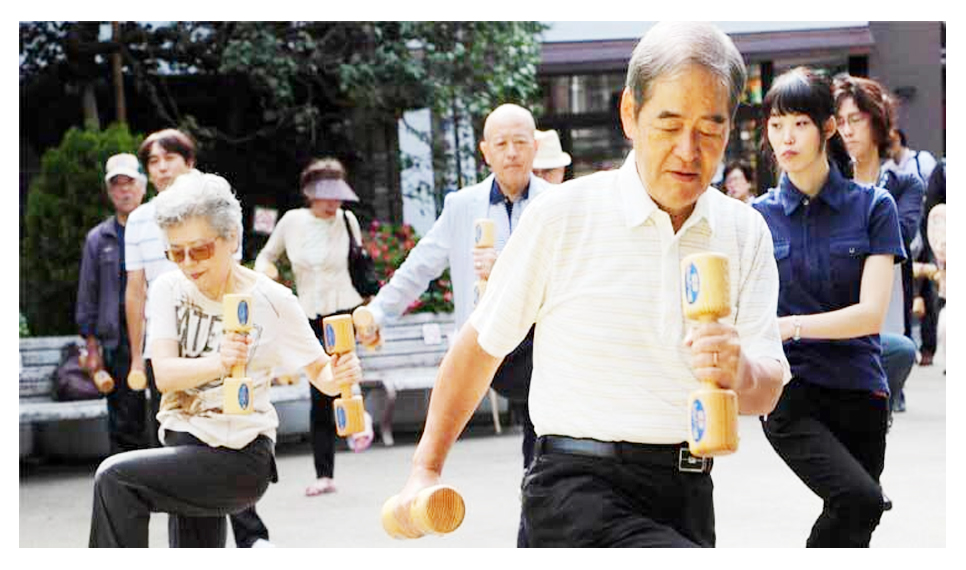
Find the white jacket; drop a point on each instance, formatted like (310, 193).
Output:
(449, 243)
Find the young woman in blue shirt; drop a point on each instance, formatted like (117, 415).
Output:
(835, 243)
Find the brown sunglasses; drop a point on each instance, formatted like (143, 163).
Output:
(196, 253)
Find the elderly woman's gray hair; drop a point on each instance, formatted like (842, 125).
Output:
(199, 195)
(670, 47)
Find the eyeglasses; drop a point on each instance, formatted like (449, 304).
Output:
(853, 119)
(196, 253)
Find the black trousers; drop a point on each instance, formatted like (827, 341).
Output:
(246, 525)
(834, 440)
(323, 435)
(125, 407)
(584, 501)
(195, 483)
(529, 438)
(927, 326)
(322, 415)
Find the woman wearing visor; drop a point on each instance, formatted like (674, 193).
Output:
(316, 241)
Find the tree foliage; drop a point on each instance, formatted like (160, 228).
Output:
(66, 200)
(304, 75)
(262, 99)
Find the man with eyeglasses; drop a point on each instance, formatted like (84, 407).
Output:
(167, 154)
(100, 302)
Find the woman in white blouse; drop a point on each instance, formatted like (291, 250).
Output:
(316, 241)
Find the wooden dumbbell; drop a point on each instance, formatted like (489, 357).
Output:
(102, 379)
(713, 410)
(350, 412)
(137, 380)
(237, 389)
(484, 235)
(365, 324)
(435, 510)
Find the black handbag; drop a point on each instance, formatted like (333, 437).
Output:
(362, 268)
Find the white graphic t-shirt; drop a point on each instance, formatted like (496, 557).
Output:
(282, 340)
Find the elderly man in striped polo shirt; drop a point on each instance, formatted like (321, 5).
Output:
(596, 265)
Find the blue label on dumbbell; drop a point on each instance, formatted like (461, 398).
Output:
(243, 396)
(698, 420)
(243, 313)
(329, 336)
(340, 418)
(692, 284)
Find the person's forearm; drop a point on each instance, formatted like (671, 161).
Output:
(320, 376)
(134, 312)
(762, 381)
(175, 373)
(851, 322)
(464, 376)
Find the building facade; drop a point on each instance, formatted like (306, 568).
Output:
(581, 80)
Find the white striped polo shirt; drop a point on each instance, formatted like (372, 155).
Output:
(597, 266)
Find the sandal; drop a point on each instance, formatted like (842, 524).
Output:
(361, 441)
(320, 486)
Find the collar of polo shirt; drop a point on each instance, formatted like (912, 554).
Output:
(638, 205)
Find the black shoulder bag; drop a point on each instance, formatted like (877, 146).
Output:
(362, 269)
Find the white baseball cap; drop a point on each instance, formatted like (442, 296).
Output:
(126, 164)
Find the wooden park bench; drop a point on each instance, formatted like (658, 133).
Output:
(413, 346)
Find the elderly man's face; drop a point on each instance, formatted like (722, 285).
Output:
(509, 148)
(679, 136)
(126, 194)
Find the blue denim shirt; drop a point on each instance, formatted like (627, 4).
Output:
(100, 288)
(821, 245)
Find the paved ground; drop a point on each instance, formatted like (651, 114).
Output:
(759, 502)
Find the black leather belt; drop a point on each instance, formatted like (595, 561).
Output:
(674, 455)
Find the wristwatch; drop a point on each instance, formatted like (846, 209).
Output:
(798, 329)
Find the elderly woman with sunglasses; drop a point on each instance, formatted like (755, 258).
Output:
(213, 464)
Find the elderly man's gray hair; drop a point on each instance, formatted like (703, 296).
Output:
(199, 195)
(670, 47)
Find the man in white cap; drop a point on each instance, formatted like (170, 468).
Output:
(551, 161)
(100, 303)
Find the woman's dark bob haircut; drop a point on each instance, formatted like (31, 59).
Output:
(803, 91)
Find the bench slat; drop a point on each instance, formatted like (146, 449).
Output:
(392, 348)
(41, 357)
(31, 412)
(48, 342)
(400, 361)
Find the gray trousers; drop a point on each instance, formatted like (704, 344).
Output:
(196, 484)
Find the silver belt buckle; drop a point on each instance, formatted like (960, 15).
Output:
(688, 463)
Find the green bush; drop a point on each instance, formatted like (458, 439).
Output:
(389, 244)
(24, 331)
(65, 200)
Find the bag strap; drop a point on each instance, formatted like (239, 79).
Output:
(352, 236)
